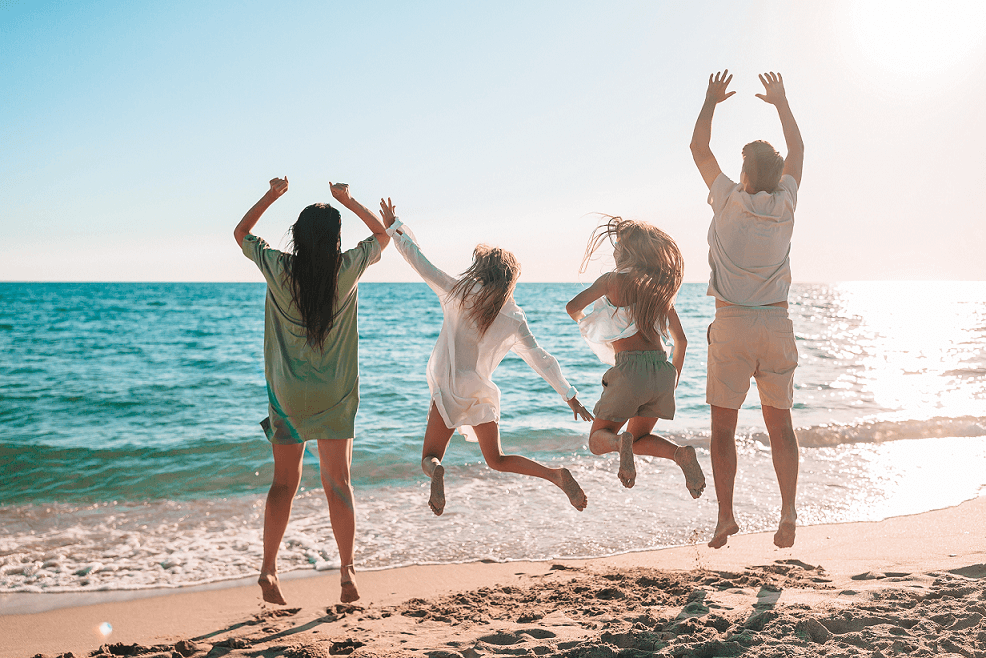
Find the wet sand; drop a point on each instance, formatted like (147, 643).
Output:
(914, 585)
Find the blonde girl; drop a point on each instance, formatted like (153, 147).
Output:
(482, 322)
(633, 312)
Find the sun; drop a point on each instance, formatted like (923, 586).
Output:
(909, 38)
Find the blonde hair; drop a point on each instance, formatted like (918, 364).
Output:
(495, 272)
(650, 269)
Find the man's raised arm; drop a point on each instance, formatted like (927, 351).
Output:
(773, 85)
(702, 136)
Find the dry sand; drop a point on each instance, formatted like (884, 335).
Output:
(911, 585)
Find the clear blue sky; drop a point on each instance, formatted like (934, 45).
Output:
(133, 136)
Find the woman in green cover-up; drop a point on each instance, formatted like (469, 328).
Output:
(311, 363)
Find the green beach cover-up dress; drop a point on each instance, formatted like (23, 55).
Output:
(312, 394)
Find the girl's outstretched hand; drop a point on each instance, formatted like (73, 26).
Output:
(341, 192)
(278, 186)
(389, 212)
(578, 409)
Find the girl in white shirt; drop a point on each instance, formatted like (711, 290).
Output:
(482, 322)
(632, 314)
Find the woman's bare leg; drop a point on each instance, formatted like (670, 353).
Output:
(648, 443)
(287, 477)
(334, 459)
(437, 437)
(489, 442)
(605, 437)
(639, 440)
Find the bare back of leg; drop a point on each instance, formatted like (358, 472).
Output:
(489, 442)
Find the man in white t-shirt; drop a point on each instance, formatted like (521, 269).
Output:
(752, 335)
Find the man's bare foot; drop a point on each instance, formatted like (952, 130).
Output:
(721, 535)
(270, 588)
(437, 500)
(684, 456)
(572, 489)
(627, 472)
(784, 537)
(347, 578)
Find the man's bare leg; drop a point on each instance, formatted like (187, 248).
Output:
(784, 453)
(489, 442)
(723, 450)
(437, 437)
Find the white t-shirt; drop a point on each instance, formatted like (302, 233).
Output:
(750, 242)
(461, 366)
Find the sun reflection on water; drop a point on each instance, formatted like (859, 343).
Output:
(892, 351)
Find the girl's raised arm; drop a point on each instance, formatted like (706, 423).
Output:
(547, 366)
(278, 186)
(408, 247)
(341, 193)
(599, 288)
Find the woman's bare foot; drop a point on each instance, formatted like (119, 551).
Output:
(348, 579)
(437, 500)
(270, 588)
(572, 489)
(627, 472)
(784, 537)
(684, 456)
(721, 535)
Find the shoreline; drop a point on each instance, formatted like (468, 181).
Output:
(903, 553)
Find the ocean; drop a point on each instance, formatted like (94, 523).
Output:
(132, 458)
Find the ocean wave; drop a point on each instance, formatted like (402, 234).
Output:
(886, 430)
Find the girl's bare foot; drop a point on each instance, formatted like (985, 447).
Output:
(627, 472)
(270, 588)
(572, 489)
(721, 535)
(684, 456)
(348, 580)
(437, 500)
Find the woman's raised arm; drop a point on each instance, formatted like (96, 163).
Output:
(278, 186)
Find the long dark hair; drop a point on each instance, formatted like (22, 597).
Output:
(494, 271)
(313, 268)
(650, 270)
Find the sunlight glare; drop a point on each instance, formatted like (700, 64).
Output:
(911, 38)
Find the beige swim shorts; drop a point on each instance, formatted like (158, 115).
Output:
(640, 384)
(751, 341)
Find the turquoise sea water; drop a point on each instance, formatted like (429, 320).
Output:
(131, 456)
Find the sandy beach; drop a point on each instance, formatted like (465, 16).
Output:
(911, 584)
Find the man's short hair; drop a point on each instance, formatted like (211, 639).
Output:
(763, 166)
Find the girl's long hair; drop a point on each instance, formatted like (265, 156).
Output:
(313, 268)
(649, 270)
(484, 287)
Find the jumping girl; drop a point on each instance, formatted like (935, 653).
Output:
(482, 322)
(632, 314)
(310, 364)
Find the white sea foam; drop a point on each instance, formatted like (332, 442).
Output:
(490, 516)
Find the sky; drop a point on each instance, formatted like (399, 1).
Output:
(134, 136)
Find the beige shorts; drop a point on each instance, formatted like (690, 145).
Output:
(640, 384)
(755, 342)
